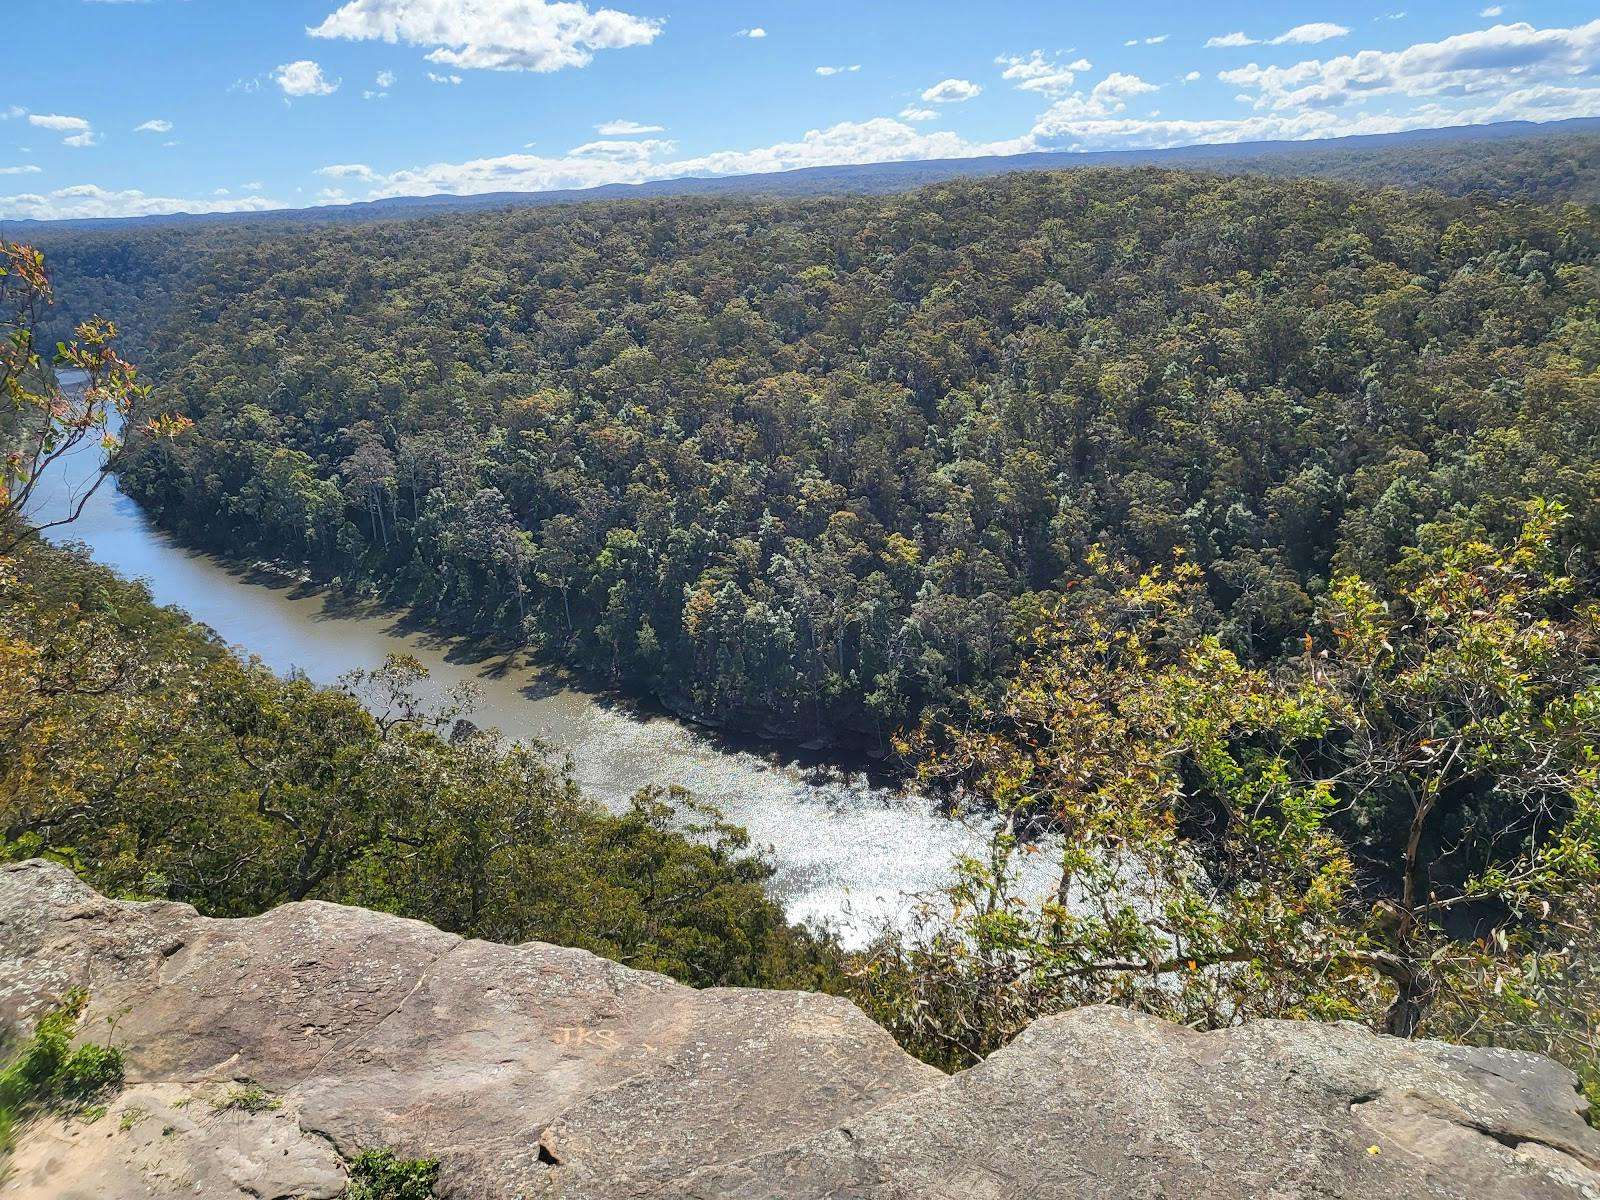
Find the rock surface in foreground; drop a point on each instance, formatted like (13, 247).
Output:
(537, 1071)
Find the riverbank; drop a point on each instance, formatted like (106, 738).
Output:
(820, 763)
(848, 849)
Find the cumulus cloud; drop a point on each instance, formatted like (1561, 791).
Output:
(622, 152)
(78, 131)
(757, 32)
(1310, 34)
(918, 114)
(91, 200)
(1036, 73)
(1064, 127)
(881, 139)
(24, 169)
(304, 78)
(1498, 59)
(1106, 98)
(452, 80)
(838, 70)
(1300, 35)
(951, 91)
(1192, 77)
(1117, 87)
(493, 35)
(58, 123)
(626, 129)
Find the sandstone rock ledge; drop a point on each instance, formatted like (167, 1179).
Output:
(537, 1071)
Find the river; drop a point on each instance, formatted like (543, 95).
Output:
(847, 850)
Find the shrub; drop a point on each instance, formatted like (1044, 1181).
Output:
(379, 1175)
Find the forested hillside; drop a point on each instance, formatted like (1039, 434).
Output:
(808, 466)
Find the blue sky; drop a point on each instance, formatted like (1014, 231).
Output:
(139, 106)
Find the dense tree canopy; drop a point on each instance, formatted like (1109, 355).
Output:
(798, 466)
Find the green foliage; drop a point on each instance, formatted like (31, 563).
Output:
(46, 1074)
(138, 751)
(379, 1175)
(1400, 826)
(807, 467)
(42, 422)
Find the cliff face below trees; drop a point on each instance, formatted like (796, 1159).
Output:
(538, 1071)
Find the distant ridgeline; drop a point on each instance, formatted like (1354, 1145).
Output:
(134, 267)
(807, 466)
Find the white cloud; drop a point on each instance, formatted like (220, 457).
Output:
(452, 80)
(1310, 34)
(157, 126)
(881, 139)
(349, 171)
(1497, 60)
(1117, 86)
(91, 200)
(1192, 77)
(1494, 10)
(918, 114)
(25, 169)
(1036, 73)
(1105, 99)
(951, 91)
(623, 152)
(757, 32)
(626, 128)
(494, 35)
(304, 78)
(58, 123)
(385, 80)
(1065, 127)
(1300, 35)
(1157, 40)
(13, 112)
(79, 133)
(838, 70)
